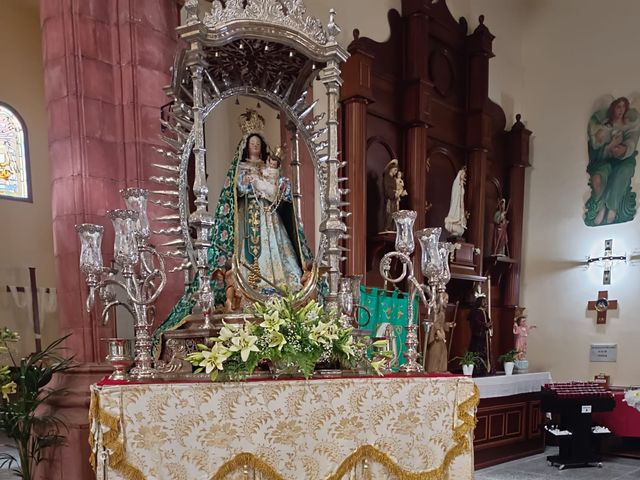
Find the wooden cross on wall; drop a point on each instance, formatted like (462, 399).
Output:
(602, 305)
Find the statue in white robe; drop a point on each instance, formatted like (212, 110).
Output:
(456, 220)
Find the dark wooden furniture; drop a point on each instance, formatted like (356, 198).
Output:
(508, 428)
(422, 97)
(574, 403)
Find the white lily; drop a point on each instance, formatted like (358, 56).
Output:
(245, 344)
(377, 366)
(276, 340)
(272, 321)
(322, 333)
(347, 347)
(214, 358)
(228, 331)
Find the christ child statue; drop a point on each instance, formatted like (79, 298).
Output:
(521, 332)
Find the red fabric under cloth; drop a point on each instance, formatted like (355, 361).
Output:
(623, 420)
(106, 382)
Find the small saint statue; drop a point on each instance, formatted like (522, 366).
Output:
(500, 222)
(456, 220)
(521, 332)
(481, 333)
(437, 351)
(393, 191)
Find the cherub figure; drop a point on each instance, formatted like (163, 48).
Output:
(521, 332)
(233, 300)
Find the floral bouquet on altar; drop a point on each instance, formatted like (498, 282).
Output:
(632, 397)
(286, 337)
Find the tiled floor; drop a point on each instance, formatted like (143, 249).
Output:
(537, 468)
(529, 468)
(6, 446)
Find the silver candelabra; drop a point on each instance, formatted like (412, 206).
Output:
(139, 264)
(435, 268)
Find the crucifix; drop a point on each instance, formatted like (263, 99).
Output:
(607, 260)
(602, 305)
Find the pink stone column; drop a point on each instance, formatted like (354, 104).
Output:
(105, 64)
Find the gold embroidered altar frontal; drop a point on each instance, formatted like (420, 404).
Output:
(351, 428)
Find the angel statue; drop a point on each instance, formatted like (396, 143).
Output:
(456, 220)
(254, 220)
(613, 137)
(393, 191)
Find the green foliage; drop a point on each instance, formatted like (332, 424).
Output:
(23, 415)
(470, 358)
(510, 356)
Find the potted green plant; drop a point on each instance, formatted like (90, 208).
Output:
(23, 412)
(508, 359)
(468, 360)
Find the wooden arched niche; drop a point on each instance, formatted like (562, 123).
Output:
(441, 170)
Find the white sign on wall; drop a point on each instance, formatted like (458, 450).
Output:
(604, 352)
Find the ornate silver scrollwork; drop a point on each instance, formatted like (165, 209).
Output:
(285, 13)
(287, 49)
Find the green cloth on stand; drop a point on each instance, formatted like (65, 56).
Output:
(388, 307)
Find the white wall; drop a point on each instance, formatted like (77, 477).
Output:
(370, 17)
(575, 51)
(27, 239)
(505, 20)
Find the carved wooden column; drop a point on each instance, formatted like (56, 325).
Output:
(518, 159)
(105, 65)
(478, 130)
(356, 95)
(416, 108)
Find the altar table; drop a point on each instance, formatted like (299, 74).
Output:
(508, 418)
(417, 427)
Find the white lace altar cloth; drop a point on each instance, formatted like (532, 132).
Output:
(506, 385)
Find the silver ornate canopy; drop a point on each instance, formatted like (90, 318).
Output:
(271, 50)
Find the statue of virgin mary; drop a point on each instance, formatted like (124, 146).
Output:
(456, 220)
(254, 220)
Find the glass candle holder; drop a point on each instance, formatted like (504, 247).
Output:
(430, 260)
(345, 296)
(90, 248)
(404, 231)
(136, 200)
(445, 249)
(356, 281)
(125, 250)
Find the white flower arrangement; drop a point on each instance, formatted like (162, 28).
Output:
(632, 397)
(295, 336)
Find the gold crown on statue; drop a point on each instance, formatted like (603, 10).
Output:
(251, 122)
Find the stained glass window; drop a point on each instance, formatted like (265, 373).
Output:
(14, 164)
